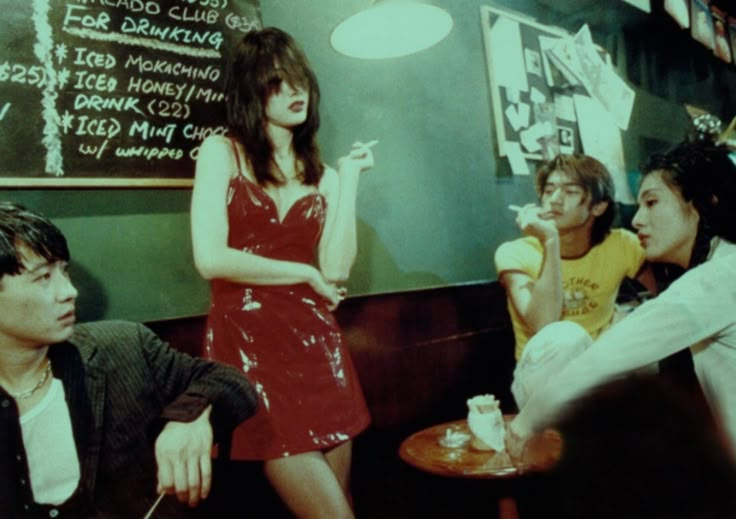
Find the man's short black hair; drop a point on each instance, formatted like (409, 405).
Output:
(21, 227)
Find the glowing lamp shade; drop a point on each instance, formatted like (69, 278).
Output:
(391, 28)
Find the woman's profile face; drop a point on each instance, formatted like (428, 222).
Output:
(665, 223)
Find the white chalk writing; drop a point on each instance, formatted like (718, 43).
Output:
(199, 133)
(185, 14)
(241, 23)
(161, 66)
(149, 153)
(132, 79)
(125, 39)
(43, 51)
(18, 73)
(146, 131)
(4, 110)
(99, 103)
(98, 127)
(144, 27)
(94, 59)
(149, 7)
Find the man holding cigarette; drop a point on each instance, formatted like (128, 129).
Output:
(96, 419)
(569, 265)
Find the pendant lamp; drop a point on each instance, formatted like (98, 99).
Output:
(391, 28)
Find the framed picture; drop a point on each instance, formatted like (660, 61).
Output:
(701, 22)
(522, 82)
(722, 45)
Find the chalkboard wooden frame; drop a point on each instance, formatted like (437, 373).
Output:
(97, 95)
(96, 182)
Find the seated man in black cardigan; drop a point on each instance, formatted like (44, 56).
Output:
(98, 419)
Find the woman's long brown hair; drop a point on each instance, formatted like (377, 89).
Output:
(261, 61)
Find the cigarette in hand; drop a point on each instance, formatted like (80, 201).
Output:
(371, 143)
(153, 507)
(515, 208)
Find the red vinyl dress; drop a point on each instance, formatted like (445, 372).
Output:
(283, 338)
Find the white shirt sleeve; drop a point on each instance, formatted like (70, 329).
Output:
(696, 307)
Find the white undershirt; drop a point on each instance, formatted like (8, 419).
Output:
(49, 442)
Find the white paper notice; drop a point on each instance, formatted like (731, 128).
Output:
(546, 43)
(512, 95)
(601, 139)
(530, 138)
(536, 96)
(516, 159)
(533, 62)
(601, 80)
(564, 107)
(564, 55)
(523, 111)
(512, 116)
(507, 54)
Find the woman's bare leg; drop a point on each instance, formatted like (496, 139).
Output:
(309, 486)
(339, 460)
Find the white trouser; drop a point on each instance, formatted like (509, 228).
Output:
(546, 353)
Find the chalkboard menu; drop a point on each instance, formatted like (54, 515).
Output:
(113, 92)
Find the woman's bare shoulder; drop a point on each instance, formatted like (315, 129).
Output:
(216, 143)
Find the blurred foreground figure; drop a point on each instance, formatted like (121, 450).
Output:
(638, 447)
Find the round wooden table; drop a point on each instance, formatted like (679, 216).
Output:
(425, 451)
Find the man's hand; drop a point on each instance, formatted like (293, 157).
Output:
(533, 222)
(516, 445)
(183, 455)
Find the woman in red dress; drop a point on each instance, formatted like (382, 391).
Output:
(263, 207)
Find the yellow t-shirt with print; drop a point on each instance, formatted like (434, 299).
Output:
(589, 284)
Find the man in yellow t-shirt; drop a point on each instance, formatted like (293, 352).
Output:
(570, 264)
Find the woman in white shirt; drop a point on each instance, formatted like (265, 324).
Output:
(686, 217)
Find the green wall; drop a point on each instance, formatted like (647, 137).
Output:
(131, 251)
(431, 212)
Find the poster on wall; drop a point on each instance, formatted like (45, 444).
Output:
(679, 10)
(732, 34)
(523, 86)
(701, 22)
(722, 46)
(601, 139)
(535, 75)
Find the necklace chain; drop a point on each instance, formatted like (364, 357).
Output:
(39, 384)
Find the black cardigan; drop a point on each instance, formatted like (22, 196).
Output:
(122, 384)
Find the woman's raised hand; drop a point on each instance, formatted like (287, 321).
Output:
(360, 157)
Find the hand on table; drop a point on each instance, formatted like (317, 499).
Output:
(532, 451)
(516, 446)
(183, 456)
